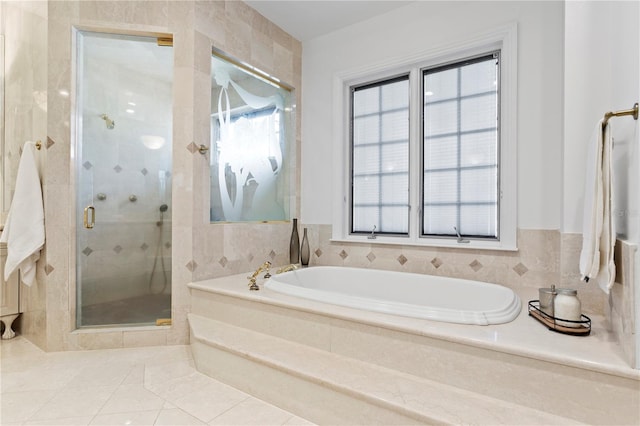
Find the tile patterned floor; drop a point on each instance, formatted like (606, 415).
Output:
(137, 386)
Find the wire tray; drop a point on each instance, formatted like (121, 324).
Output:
(581, 328)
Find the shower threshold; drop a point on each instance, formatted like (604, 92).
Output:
(145, 310)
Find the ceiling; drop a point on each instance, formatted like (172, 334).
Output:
(307, 19)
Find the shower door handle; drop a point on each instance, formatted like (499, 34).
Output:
(89, 224)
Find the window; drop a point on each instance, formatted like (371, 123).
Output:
(380, 157)
(460, 164)
(251, 133)
(431, 151)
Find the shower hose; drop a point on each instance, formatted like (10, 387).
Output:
(159, 254)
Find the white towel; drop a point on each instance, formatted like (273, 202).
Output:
(24, 230)
(598, 231)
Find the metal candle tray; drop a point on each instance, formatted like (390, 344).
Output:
(581, 328)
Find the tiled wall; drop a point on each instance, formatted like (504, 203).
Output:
(544, 257)
(199, 249)
(24, 25)
(621, 309)
(24, 28)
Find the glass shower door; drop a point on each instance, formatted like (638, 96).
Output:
(123, 180)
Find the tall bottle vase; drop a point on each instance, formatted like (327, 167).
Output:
(304, 249)
(294, 244)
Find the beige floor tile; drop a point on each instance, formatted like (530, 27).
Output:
(112, 374)
(71, 421)
(40, 377)
(137, 386)
(298, 421)
(176, 388)
(133, 418)
(18, 407)
(129, 398)
(252, 411)
(75, 402)
(176, 417)
(164, 372)
(211, 401)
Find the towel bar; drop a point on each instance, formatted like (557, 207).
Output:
(633, 111)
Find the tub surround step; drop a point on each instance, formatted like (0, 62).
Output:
(520, 363)
(310, 381)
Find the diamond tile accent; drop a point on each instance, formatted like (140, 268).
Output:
(144, 171)
(250, 257)
(192, 147)
(520, 269)
(436, 262)
(402, 259)
(144, 246)
(50, 142)
(371, 256)
(48, 269)
(117, 249)
(87, 251)
(87, 165)
(191, 266)
(475, 265)
(272, 254)
(344, 254)
(318, 252)
(118, 169)
(223, 261)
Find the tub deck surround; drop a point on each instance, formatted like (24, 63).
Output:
(413, 295)
(520, 363)
(353, 391)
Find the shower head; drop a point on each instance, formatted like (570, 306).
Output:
(164, 208)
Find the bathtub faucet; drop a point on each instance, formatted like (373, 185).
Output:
(287, 268)
(373, 233)
(252, 279)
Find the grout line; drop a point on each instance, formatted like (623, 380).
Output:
(230, 408)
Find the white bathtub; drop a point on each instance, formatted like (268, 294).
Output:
(399, 293)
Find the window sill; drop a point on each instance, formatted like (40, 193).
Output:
(428, 242)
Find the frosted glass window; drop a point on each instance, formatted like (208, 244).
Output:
(460, 128)
(251, 133)
(380, 157)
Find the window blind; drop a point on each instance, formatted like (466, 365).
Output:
(460, 148)
(380, 157)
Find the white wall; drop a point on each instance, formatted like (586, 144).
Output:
(602, 56)
(602, 69)
(423, 26)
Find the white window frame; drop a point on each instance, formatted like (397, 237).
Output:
(503, 39)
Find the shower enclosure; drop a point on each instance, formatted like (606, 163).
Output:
(123, 180)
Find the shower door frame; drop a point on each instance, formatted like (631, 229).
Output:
(75, 133)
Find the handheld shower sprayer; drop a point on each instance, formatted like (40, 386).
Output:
(160, 255)
(163, 208)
